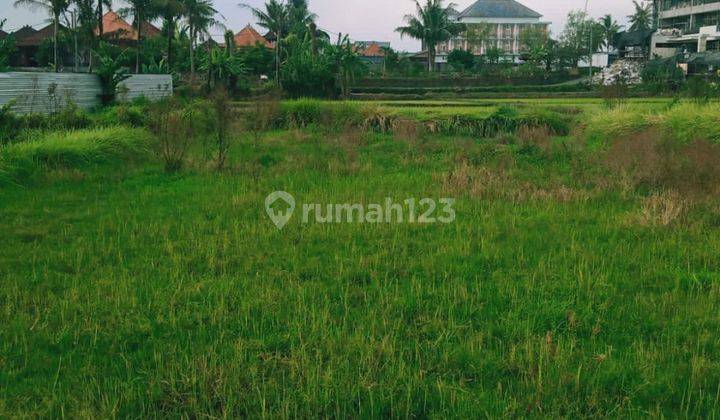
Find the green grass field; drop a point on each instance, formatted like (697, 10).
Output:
(564, 288)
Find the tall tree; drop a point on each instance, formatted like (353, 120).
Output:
(55, 8)
(581, 37)
(610, 29)
(642, 18)
(142, 10)
(274, 18)
(200, 17)
(432, 25)
(299, 18)
(100, 14)
(170, 11)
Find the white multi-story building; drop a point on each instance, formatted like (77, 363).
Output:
(686, 26)
(493, 24)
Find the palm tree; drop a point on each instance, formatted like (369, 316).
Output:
(200, 16)
(100, 15)
(432, 25)
(275, 18)
(170, 10)
(299, 17)
(610, 29)
(55, 8)
(141, 10)
(642, 19)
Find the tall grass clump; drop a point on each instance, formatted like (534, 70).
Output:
(683, 123)
(69, 118)
(306, 112)
(71, 150)
(621, 121)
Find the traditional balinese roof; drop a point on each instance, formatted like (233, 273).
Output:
(32, 38)
(116, 27)
(371, 48)
(149, 30)
(498, 9)
(249, 37)
(24, 32)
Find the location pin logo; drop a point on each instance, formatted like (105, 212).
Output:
(280, 206)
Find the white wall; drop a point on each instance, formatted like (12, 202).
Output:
(46, 93)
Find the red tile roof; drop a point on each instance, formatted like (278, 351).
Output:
(116, 27)
(248, 37)
(373, 50)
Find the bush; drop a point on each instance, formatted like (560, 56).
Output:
(127, 115)
(19, 162)
(69, 118)
(305, 112)
(9, 125)
(175, 127)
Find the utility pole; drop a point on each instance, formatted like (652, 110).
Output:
(590, 47)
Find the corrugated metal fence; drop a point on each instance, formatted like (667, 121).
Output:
(46, 93)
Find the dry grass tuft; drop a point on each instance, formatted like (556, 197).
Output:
(540, 137)
(663, 209)
(484, 183)
(407, 130)
(649, 159)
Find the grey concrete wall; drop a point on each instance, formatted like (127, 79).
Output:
(46, 93)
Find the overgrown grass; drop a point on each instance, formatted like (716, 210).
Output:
(559, 291)
(684, 123)
(21, 162)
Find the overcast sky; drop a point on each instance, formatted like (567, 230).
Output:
(362, 19)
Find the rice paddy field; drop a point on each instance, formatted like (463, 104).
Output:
(579, 278)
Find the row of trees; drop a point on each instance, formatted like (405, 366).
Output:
(305, 60)
(582, 36)
(85, 17)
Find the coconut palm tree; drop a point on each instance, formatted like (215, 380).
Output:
(432, 25)
(170, 11)
(200, 17)
(55, 8)
(100, 14)
(299, 17)
(610, 29)
(642, 19)
(141, 10)
(274, 18)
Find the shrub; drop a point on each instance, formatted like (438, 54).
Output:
(224, 120)
(175, 129)
(9, 125)
(305, 112)
(123, 114)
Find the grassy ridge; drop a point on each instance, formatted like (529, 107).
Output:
(20, 162)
